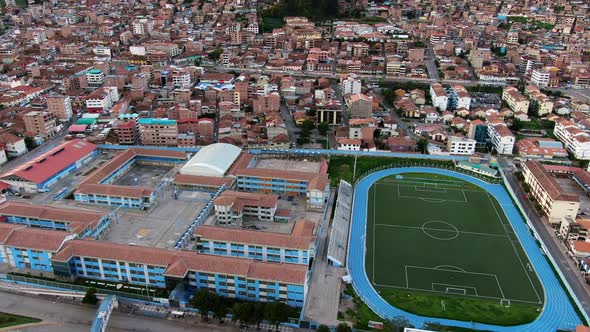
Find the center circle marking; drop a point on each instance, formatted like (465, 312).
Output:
(434, 227)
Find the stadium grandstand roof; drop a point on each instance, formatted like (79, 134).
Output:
(50, 163)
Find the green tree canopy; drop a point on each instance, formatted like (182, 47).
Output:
(90, 297)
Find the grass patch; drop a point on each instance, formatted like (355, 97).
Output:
(7, 320)
(466, 309)
(361, 314)
(342, 167)
(269, 23)
(485, 89)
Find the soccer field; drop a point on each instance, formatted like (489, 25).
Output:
(440, 235)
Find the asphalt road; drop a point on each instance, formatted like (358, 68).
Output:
(430, 63)
(564, 263)
(374, 78)
(62, 317)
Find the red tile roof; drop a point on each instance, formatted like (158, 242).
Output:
(78, 219)
(239, 200)
(581, 246)
(8, 138)
(179, 263)
(91, 184)
(24, 237)
(548, 183)
(201, 180)
(300, 238)
(52, 162)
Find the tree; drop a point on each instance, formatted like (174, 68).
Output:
(90, 297)
(30, 143)
(244, 312)
(259, 313)
(219, 307)
(343, 327)
(323, 328)
(400, 321)
(203, 301)
(323, 128)
(307, 124)
(422, 145)
(277, 313)
(516, 125)
(303, 139)
(215, 55)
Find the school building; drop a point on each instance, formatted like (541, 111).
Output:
(297, 247)
(98, 187)
(554, 201)
(82, 223)
(30, 248)
(231, 207)
(227, 276)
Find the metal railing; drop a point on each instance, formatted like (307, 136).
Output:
(73, 287)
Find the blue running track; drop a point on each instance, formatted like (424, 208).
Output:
(558, 312)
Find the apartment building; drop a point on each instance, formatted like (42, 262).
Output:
(439, 97)
(457, 145)
(501, 137)
(396, 67)
(267, 103)
(554, 201)
(296, 247)
(516, 101)
(359, 105)
(512, 37)
(478, 55)
(15, 146)
(539, 101)
(160, 132)
(181, 79)
(102, 99)
(350, 85)
(349, 144)
(232, 207)
(540, 77)
(458, 97)
(576, 141)
(40, 124)
(94, 77)
(60, 106)
(574, 229)
(127, 132)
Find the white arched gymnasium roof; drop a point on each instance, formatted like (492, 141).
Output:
(212, 160)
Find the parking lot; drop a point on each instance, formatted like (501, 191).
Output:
(485, 100)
